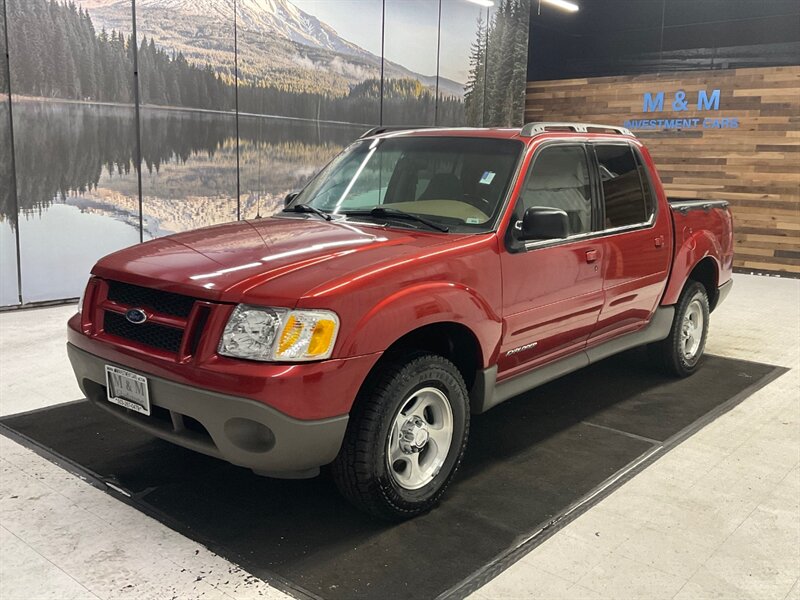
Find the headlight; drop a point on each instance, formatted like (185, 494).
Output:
(279, 334)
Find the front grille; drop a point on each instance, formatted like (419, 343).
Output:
(149, 334)
(168, 303)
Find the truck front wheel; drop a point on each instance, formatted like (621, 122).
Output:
(679, 354)
(405, 438)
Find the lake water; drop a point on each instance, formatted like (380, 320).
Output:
(78, 191)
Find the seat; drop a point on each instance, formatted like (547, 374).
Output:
(443, 186)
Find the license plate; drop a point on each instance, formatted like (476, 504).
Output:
(127, 389)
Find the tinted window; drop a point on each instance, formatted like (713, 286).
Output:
(559, 178)
(623, 196)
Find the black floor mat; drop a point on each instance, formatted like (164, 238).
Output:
(528, 461)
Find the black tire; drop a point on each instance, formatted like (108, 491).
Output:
(669, 354)
(361, 471)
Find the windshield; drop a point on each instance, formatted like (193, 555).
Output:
(457, 182)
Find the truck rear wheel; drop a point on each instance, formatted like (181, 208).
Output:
(405, 439)
(679, 354)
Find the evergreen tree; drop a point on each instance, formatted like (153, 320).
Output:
(89, 46)
(57, 52)
(519, 77)
(504, 60)
(499, 71)
(476, 86)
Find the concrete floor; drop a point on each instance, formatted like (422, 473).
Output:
(717, 517)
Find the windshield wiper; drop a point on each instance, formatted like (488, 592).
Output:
(382, 211)
(307, 208)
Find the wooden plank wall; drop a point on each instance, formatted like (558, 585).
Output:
(756, 167)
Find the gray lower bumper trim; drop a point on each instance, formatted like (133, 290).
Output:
(241, 431)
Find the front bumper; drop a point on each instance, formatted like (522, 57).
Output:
(242, 431)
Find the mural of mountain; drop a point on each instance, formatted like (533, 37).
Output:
(305, 92)
(280, 45)
(285, 19)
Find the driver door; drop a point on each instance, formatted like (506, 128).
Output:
(552, 289)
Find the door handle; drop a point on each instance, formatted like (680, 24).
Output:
(659, 241)
(591, 256)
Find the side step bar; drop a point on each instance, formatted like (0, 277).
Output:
(487, 393)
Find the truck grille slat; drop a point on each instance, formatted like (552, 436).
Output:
(168, 303)
(173, 316)
(150, 334)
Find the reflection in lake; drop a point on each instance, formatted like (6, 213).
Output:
(75, 171)
(279, 156)
(8, 265)
(59, 246)
(9, 294)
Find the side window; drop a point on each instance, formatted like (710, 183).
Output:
(559, 178)
(623, 193)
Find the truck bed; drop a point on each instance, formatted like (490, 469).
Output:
(703, 229)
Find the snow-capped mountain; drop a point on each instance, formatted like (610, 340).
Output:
(284, 18)
(275, 37)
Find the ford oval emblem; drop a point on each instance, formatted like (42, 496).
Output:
(136, 316)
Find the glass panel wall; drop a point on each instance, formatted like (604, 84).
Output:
(305, 76)
(188, 120)
(506, 63)
(410, 62)
(462, 63)
(9, 291)
(491, 58)
(73, 143)
(305, 91)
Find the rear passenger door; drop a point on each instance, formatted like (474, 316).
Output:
(552, 289)
(634, 240)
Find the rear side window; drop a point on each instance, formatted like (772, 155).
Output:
(559, 178)
(624, 195)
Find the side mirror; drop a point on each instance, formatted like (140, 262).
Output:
(542, 223)
(289, 197)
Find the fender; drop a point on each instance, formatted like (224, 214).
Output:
(694, 247)
(425, 304)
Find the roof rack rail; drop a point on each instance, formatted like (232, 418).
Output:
(389, 128)
(531, 129)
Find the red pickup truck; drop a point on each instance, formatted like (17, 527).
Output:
(421, 276)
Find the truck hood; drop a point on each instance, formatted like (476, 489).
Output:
(242, 261)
